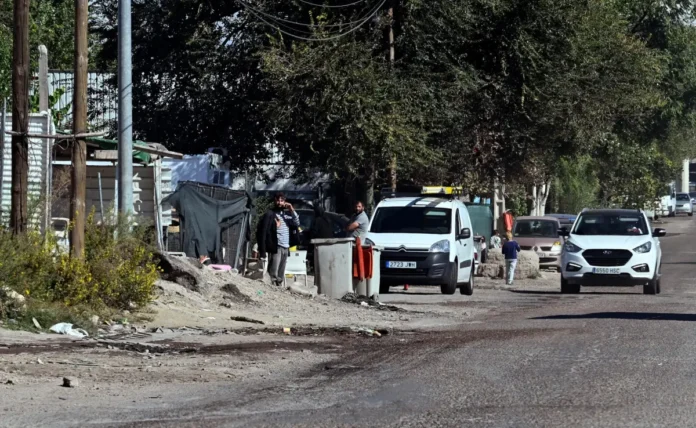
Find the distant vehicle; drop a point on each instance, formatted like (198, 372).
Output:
(427, 240)
(301, 235)
(611, 247)
(692, 195)
(541, 235)
(564, 219)
(60, 231)
(684, 204)
(668, 202)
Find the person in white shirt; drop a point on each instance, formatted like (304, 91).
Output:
(496, 242)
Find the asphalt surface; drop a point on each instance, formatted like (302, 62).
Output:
(606, 357)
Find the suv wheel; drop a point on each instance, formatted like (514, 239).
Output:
(652, 287)
(451, 286)
(467, 288)
(567, 288)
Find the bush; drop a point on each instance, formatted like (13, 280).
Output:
(114, 274)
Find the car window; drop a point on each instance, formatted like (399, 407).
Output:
(611, 224)
(683, 197)
(458, 226)
(436, 221)
(536, 228)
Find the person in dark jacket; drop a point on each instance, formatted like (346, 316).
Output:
(273, 237)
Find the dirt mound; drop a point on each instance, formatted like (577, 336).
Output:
(527, 265)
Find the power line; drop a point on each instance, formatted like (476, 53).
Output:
(265, 17)
(302, 24)
(331, 6)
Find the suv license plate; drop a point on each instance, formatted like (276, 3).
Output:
(401, 265)
(606, 271)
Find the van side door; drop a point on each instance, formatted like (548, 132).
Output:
(462, 247)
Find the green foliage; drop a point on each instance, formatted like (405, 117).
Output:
(115, 274)
(576, 185)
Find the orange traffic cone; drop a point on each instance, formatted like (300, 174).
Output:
(406, 287)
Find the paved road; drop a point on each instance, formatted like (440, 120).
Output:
(602, 358)
(606, 358)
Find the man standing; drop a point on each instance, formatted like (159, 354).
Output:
(496, 242)
(510, 249)
(273, 236)
(357, 227)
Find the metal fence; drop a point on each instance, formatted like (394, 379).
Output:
(102, 100)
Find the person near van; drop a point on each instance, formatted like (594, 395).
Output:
(496, 241)
(273, 236)
(510, 250)
(357, 227)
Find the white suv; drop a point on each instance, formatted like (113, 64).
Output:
(611, 248)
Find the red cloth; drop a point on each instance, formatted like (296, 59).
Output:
(358, 260)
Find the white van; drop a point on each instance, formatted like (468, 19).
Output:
(427, 241)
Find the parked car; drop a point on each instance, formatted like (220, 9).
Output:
(427, 241)
(60, 231)
(302, 238)
(692, 195)
(611, 247)
(541, 235)
(566, 220)
(684, 205)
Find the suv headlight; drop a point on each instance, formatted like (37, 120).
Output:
(440, 247)
(556, 247)
(571, 248)
(645, 248)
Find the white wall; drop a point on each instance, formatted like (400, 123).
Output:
(39, 123)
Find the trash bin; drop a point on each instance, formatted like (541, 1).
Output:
(369, 287)
(333, 266)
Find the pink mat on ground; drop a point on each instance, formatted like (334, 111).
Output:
(221, 267)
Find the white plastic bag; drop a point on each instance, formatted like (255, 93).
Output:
(67, 329)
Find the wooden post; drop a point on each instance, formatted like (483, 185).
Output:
(79, 152)
(43, 78)
(20, 116)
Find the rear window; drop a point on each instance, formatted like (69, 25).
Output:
(434, 221)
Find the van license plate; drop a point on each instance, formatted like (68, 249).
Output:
(606, 271)
(401, 265)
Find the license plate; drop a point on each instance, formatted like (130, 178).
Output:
(401, 265)
(606, 271)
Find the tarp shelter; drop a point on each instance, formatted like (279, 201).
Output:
(481, 220)
(213, 221)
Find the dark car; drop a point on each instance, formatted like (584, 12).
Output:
(302, 238)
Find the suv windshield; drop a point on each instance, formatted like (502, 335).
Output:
(611, 224)
(536, 228)
(434, 221)
(683, 197)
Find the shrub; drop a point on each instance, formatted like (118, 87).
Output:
(114, 274)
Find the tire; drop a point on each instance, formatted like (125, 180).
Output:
(467, 288)
(451, 286)
(383, 288)
(691, 214)
(652, 287)
(567, 288)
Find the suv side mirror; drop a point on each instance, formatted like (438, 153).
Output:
(564, 232)
(464, 233)
(658, 233)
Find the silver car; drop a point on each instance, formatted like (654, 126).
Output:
(684, 204)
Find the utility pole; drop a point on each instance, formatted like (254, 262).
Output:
(392, 163)
(43, 78)
(79, 149)
(20, 116)
(125, 110)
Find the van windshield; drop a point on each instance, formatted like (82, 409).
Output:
(433, 221)
(536, 228)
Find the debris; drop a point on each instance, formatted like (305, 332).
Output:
(340, 367)
(10, 382)
(226, 305)
(287, 330)
(39, 361)
(246, 319)
(299, 289)
(70, 382)
(364, 304)
(67, 329)
(36, 323)
(95, 320)
(10, 294)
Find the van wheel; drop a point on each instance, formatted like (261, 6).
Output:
(451, 285)
(467, 288)
(567, 288)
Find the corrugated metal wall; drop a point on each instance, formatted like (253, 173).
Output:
(38, 166)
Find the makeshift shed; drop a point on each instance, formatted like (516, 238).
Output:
(214, 221)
